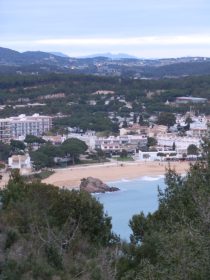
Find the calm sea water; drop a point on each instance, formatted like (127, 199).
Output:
(134, 196)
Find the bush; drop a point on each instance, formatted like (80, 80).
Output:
(11, 238)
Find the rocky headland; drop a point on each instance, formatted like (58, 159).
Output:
(94, 185)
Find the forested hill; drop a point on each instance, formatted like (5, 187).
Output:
(13, 58)
(74, 96)
(37, 62)
(178, 69)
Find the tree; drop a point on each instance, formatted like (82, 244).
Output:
(17, 146)
(100, 154)
(188, 120)
(167, 119)
(151, 141)
(134, 118)
(54, 229)
(41, 160)
(192, 150)
(5, 151)
(125, 124)
(165, 244)
(31, 139)
(174, 146)
(74, 147)
(123, 154)
(44, 156)
(141, 120)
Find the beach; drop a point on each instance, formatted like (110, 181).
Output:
(71, 177)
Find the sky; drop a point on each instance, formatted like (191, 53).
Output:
(143, 28)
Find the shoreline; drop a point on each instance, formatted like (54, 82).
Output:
(70, 177)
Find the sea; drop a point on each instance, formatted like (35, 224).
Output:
(134, 197)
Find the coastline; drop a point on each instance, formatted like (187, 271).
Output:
(70, 177)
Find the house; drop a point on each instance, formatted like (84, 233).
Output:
(55, 139)
(134, 129)
(22, 162)
(157, 155)
(181, 142)
(145, 130)
(157, 129)
(190, 99)
(118, 143)
(103, 92)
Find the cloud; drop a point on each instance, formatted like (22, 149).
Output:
(129, 41)
(144, 46)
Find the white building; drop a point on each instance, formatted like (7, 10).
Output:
(190, 99)
(180, 142)
(157, 156)
(149, 131)
(198, 129)
(14, 127)
(88, 137)
(118, 143)
(22, 162)
(55, 139)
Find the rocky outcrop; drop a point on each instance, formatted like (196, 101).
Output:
(94, 185)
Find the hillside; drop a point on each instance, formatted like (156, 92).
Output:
(50, 233)
(38, 62)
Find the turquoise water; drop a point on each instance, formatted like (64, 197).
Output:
(134, 196)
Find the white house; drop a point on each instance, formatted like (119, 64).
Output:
(121, 142)
(22, 162)
(89, 138)
(157, 155)
(180, 142)
(198, 129)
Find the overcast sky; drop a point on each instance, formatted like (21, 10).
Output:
(145, 28)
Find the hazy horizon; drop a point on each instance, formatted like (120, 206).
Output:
(120, 54)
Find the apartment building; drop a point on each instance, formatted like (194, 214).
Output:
(5, 134)
(118, 143)
(180, 142)
(15, 127)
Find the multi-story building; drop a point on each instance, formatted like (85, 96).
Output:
(5, 133)
(118, 143)
(15, 127)
(180, 142)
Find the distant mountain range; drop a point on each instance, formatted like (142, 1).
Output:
(105, 64)
(111, 56)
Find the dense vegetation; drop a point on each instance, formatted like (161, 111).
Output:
(174, 242)
(70, 150)
(145, 96)
(51, 233)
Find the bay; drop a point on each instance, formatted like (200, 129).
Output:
(134, 196)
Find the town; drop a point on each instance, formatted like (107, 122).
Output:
(26, 140)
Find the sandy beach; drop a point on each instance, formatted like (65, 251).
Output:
(71, 177)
